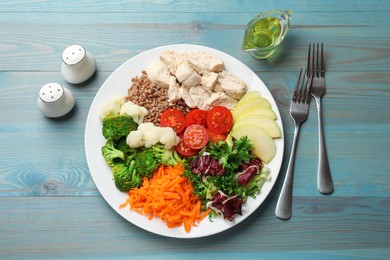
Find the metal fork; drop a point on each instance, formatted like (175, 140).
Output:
(316, 68)
(299, 110)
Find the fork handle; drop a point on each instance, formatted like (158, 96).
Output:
(324, 177)
(284, 204)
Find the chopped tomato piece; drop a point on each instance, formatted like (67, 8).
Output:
(219, 120)
(196, 136)
(214, 137)
(184, 150)
(196, 116)
(173, 118)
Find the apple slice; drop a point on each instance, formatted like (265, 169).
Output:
(263, 145)
(249, 95)
(268, 112)
(255, 103)
(266, 123)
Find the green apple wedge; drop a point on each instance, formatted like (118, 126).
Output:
(263, 145)
(267, 124)
(268, 112)
(249, 95)
(255, 103)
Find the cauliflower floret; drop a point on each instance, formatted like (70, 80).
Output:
(168, 137)
(137, 112)
(110, 107)
(135, 139)
(148, 135)
(151, 133)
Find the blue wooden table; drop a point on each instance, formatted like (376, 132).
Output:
(49, 204)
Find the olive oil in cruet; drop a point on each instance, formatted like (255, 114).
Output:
(263, 33)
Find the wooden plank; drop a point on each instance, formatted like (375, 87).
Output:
(116, 37)
(189, 6)
(86, 226)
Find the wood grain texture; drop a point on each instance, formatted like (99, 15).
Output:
(31, 48)
(161, 6)
(89, 227)
(49, 205)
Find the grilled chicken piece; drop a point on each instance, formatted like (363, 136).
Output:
(174, 92)
(200, 96)
(202, 61)
(217, 88)
(221, 99)
(209, 79)
(187, 76)
(158, 73)
(185, 95)
(232, 85)
(172, 59)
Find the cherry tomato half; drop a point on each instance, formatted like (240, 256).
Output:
(196, 136)
(173, 118)
(215, 138)
(184, 150)
(196, 116)
(219, 120)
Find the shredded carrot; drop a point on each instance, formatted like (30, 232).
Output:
(169, 196)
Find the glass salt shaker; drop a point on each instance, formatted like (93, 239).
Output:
(78, 65)
(54, 100)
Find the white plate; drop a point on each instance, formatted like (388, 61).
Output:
(116, 85)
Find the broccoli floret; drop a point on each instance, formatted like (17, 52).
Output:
(146, 163)
(122, 145)
(147, 160)
(111, 154)
(130, 165)
(125, 177)
(115, 127)
(166, 156)
(121, 158)
(130, 153)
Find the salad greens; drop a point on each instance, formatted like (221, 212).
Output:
(232, 157)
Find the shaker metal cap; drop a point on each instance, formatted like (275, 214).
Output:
(73, 54)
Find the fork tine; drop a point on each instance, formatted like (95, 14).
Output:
(303, 89)
(316, 59)
(313, 60)
(308, 69)
(296, 95)
(309, 83)
(322, 69)
(299, 93)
